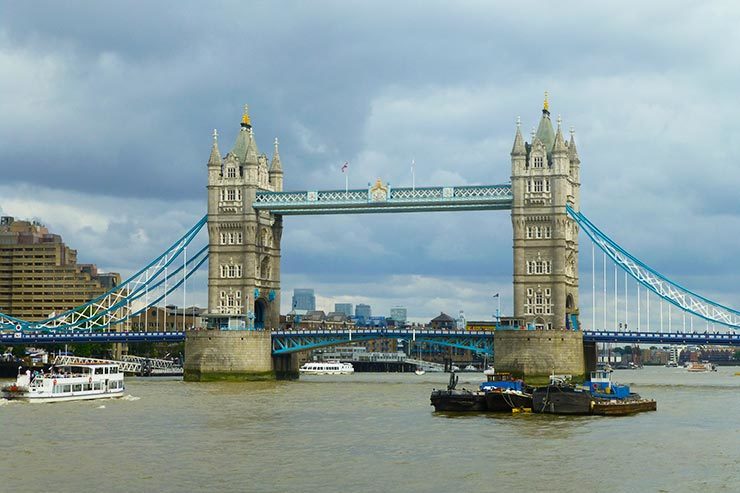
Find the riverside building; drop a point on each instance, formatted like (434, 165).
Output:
(39, 274)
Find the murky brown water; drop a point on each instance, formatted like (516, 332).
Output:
(370, 432)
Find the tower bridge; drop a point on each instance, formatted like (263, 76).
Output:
(246, 204)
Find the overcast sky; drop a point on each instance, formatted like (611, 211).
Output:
(107, 109)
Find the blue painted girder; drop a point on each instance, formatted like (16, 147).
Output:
(291, 341)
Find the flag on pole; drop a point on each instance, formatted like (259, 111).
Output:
(345, 170)
(495, 295)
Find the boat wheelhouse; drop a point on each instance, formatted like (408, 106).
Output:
(504, 393)
(68, 383)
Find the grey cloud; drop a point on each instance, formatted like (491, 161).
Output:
(112, 106)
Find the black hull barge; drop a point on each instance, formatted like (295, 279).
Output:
(507, 400)
(561, 399)
(458, 400)
(454, 400)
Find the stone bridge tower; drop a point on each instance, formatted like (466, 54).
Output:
(544, 180)
(243, 267)
(244, 244)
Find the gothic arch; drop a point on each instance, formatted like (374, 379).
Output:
(265, 268)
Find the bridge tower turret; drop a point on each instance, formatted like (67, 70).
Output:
(544, 180)
(244, 244)
(243, 269)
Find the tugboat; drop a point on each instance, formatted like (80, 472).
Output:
(613, 399)
(561, 397)
(598, 395)
(504, 393)
(457, 400)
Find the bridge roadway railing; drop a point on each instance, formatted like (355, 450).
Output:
(288, 341)
(479, 197)
(126, 366)
(696, 338)
(151, 363)
(52, 337)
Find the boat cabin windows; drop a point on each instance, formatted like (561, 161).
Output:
(98, 371)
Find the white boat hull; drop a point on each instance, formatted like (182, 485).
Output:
(80, 396)
(326, 372)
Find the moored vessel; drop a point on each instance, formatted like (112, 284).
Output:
(327, 368)
(621, 407)
(455, 400)
(504, 393)
(598, 395)
(67, 383)
(561, 397)
(615, 399)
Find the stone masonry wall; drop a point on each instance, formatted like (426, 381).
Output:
(228, 355)
(535, 354)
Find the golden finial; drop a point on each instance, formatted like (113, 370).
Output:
(245, 117)
(546, 104)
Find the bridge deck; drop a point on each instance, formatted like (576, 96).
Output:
(290, 340)
(386, 199)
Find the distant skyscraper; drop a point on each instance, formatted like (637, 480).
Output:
(363, 311)
(345, 308)
(304, 299)
(398, 313)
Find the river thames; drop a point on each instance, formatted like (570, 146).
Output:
(370, 432)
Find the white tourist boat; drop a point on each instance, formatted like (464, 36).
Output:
(327, 368)
(68, 383)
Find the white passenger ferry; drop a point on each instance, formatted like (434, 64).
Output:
(327, 368)
(68, 383)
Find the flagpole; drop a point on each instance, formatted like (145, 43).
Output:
(413, 176)
(346, 182)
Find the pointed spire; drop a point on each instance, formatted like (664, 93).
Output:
(559, 143)
(546, 105)
(251, 153)
(276, 166)
(215, 158)
(518, 149)
(572, 150)
(545, 132)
